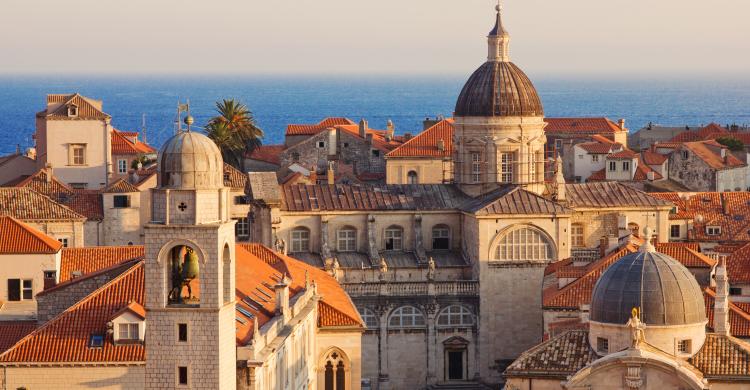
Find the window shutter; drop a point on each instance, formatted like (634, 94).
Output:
(14, 289)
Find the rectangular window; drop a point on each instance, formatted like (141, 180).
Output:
(558, 144)
(580, 157)
(612, 166)
(64, 241)
(735, 291)
(674, 231)
(96, 341)
(713, 230)
(684, 346)
(241, 199)
(50, 274)
(182, 375)
(594, 157)
(441, 238)
(300, 240)
(77, 154)
(182, 333)
(394, 239)
(122, 166)
(321, 144)
(506, 167)
(79, 186)
(129, 332)
(476, 167)
(347, 240)
(576, 235)
(602, 345)
(14, 290)
(626, 166)
(28, 291)
(242, 228)
(121, 201)
(375, 153)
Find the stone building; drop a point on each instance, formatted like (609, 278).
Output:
(707, 166)
(43, 214)
(647, 330)
(251, 319)
(425, 159)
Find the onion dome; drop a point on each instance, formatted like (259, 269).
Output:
(499, 87)
(190, 160)
(663, 289)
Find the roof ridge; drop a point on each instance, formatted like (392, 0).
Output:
(40, 236)
(90, 275)
(72, 307)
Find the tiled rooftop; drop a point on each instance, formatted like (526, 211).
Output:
(234, 178)
(268, 153)
(425, 144)
(20, 238)
(28, 205)
(88, 203)
(87, 108)
(91, 259)
(312, 129)
(555, 358)
(581, 126)
(729, 210)
(609, 194)
(122, 145)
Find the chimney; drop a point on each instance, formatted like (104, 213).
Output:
(441, 145)
(362, 128)
(603, 246)
(282, 298)
(330, 174)
(721, 302)
(621, 122)
(650, 176)
(313, 175)
(332, 141)
(407, 136)
(390, 130)
(48, 172)
(560, 194)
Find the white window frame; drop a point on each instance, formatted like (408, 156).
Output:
(406, 317)
(441, 231)
(300, 239)
(74, 157)
(685, 346)
(602, 345)
(371, 320)
(594, 158)
(129, 331)
(507, 159)
(127, 201)
(346, 239)
(613, 166)
(523, 244)
(27, 286)
(394, 235)
(713, 230)
(455, 316)
(625, 166)
(65, 241)
(476, 167)
(122, 166)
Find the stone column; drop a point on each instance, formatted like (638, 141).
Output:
(325, 247)
(383, 381)
(418, 239)
(372, 248)
(430, 309)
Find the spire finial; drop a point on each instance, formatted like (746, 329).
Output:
(647, 245)
(499, 39)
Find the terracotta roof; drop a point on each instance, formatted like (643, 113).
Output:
(133, 307)
(623, 154)
(371, 197)
(88, 203)
(121, 144)
(558, 357)
(640, 174)
(28, 205)
(742, 137)
(599, 147)
(609, 194)
(57, 107)
(710, 153)
(738, 265)
(729, 210)
(739, 318)
(425, 144)
(686, 136)
(120, 186)
(513, 200)
(18, 237)
(267, 153)
(12, 331)
(378, 137)
(65, 338)
(581, 126)
(312, 129)
(653, 158)
(91, 259)
(234, 178)
(722, 357)
(498, 88)
(712, 129)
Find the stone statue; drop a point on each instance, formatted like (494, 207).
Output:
(335, 268)
(383, 268)
(637, 333)
(431, 269)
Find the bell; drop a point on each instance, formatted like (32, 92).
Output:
(190, 265)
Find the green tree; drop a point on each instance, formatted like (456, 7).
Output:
(234, 131)
(733, 144)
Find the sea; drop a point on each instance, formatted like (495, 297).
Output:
(276, 101)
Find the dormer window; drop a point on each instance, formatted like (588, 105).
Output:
(128, 331)
(72, 111)
(713, 230)
(128, 325)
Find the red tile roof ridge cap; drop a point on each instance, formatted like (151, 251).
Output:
(84, 300)
(48, 241)
(423, 133)
(90, 275)
(132, 306)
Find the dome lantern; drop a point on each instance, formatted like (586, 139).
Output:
(190, 161)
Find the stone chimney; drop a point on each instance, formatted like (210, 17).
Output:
(330, 174)
(282, 298)
(650, 176)
(314, 175)
(390, 131)
(363, 128)
(621, 122)
(441, 145)
(560, 194)
(721, 302)
(48, 172)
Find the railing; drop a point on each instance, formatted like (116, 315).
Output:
(460, 288)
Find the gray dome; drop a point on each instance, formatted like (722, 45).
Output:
(190, 160)
(499, 88)
(664, 290)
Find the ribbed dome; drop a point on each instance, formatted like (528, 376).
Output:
(190, 160)
(499, 89)
(664, 290)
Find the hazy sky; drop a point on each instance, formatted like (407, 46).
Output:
(549, 37)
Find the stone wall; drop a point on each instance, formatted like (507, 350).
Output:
(72, 230)
(691, 172)
(428, 170)
(119, 377)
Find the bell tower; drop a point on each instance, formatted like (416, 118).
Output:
(190, 270)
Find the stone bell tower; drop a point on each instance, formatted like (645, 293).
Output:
(190, 270)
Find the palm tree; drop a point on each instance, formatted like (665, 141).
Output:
(234, 131)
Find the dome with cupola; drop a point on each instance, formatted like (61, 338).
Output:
(190, 160)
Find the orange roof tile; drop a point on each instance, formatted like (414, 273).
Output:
(312, 129)
(18, 237)
(425, 144)
(712, 129)
(710, 153)
(378, 137)
(686, 136)
(133, 307)
(12, 331)
(267, 153)
(120, 186)
(623, 154)
(88, 203)
(738, 265)
(581, 126)
(234, 178)
(729, 210)
(122, 145)
(91, 259)
(653, 158)
(599, 147)
(739, 319)
(87, 108)
(28, 205)
(642, 171)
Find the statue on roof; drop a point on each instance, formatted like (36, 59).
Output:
(637, 327)
(431, 269)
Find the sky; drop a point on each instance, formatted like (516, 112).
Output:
(659, 38)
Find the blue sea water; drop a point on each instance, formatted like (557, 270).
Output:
(277, 101)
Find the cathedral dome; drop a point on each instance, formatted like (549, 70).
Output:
(190, 160)
(664, 290)
(498, 87)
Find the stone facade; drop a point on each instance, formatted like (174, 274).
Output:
(692, 171)
(74, 377)
(70, 231)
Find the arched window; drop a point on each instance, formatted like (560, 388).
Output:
(184, 276)
(346, 239)
(455, 316)
(394, 238)
(300, 240)
(406, 317)
(368, 316)
(576, 235)
(634, 228)
(441, 237)
(335, 371)
(524, 244)
(412, 178)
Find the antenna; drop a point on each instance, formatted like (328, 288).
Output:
(143, 127)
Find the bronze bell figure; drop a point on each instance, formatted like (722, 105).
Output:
(190, 265)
